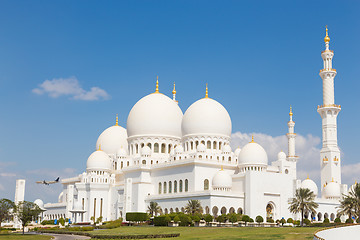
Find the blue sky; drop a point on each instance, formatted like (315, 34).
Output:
(258, 57)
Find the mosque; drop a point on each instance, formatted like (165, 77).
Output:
(168, 157)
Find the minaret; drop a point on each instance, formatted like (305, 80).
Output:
(291, 135)
(330, 153)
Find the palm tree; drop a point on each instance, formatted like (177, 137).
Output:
(350, 204)
(193, 206)
(303, 201)
(346, 207)
(153, 208)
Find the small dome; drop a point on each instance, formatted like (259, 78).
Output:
(98, 160)
(281, 156)
(122, 152)
(179, 149)
(40, 203)
(332, 190)
(206, 117)
(310, 184)
(112, 139)
(226, 148)
(222, 180)
(145, 151)
(253, 154)
(201, 148)
(237, 152)
(155, 114)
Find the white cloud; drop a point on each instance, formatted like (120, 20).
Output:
(7, 174)
(70, 87)
(350, 173)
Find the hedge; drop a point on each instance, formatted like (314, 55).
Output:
(136, 216)
(160, 221)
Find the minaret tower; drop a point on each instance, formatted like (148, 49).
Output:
(291, 135)
(330, 153)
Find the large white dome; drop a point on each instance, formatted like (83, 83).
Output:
(155, 114)
(98, 160)
(253, 154)
(332, 190)
(112, 139)
(40, 203)
(311, 185)
(222, 180)
(206, 116)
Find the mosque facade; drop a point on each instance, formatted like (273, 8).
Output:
(168, 157)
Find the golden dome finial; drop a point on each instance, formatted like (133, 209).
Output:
(206, 91)
(99, 147)
(117, 120)
(157, 84)
(174, 91)
(290, 113)
(308, 177)
(332, 179)
(222, 168)
(327, 38)
(252, 138)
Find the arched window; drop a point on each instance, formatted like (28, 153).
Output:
(208, 145)
(164, 187)
(196, 144)
(175, 186)
(186, 185)
(232, 210)
(115, 165)
(160, 188)
(149, 145)
(156, 148)
(169, 149)
(240, 211)
(229, 159)
(206, 184)
(223, 210)
(192, 145)
(203, 142)
(214, 145)
(137, 148)
(180, 186)
(142, 145)
(170, 187)
(144, 162)
(215, 211)
(220, 145)
(163, 146)
(269, 211)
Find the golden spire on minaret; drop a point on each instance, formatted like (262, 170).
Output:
(117, 120)
(206, 91)
(327, 38)
(174, 91)
(290, 113)
(252, 139)
(157, 84)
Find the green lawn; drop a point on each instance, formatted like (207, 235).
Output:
(12, 236)
(252, 233)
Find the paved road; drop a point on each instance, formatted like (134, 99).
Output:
(350, 232)
(67, 237)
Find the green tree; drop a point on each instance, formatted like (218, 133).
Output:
(303, 201)
(6, 206)
(208, 218)
(233, 217)
(347, 206)
(307, 221)
(259, 219)
(193, 206)
(26, 211)
(153, 209)
(337, 220)
(290, 220)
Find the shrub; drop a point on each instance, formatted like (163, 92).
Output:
(251, 220)
(176, 218)
(259, 219)
(61, 221)
(270, 220)
(233, 218)
(208, 218)
(282, 221)
(111, 224)
(307, 221)
(290, 220)
(245, 218)
(358, 220)
(136, 216)
(48, 222)
(185, 220)
(349, 220)
(297, 222)
(337, 220)
(160, 221)
(326, 220)
(221, 218)
(196, 218)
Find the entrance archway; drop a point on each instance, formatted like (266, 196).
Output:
(270, 209)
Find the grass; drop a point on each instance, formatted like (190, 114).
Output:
(16, 236)
(253, 233)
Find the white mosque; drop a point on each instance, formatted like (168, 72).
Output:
(169, 157)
